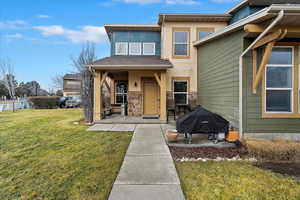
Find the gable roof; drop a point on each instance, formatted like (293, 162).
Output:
(260, 3)
(260, 16)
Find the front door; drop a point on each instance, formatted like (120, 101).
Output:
(150, 97)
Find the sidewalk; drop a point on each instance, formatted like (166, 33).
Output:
(148, 171)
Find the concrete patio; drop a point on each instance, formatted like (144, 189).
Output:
(118, 119)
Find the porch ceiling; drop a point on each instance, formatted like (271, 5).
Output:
(132, 63)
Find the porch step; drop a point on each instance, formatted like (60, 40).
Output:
(150, 116)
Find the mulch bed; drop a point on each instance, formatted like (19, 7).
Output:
(207, 152)
(285, 168)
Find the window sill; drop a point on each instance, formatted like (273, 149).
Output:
(280, 115)
(180, 57)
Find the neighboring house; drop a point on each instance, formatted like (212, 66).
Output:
(249, 71)
(211, 60)
(72, 84)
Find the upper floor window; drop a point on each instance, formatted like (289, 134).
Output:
(203, 32)
(73, 84)
(149, 48)
(121, 48)
(135, 48)
(279, 81)
(181, 43)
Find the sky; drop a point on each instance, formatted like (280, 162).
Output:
(39, 37)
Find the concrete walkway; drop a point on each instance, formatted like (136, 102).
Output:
(148, 171)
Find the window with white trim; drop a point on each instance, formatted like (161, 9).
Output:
(279, 81)
(180, 91)
(181, 43)
(149, 48)
(121, 92)
(121, 48)
(135, 48)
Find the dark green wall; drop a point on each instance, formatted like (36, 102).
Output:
(253, 122)
(218, 76)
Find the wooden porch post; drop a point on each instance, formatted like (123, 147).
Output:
(97, 96)
(163, 96)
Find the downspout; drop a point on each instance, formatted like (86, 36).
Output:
(272, 25)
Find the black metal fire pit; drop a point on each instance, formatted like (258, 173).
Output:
(201, 121)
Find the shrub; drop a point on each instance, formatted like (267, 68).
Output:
(274, 150)
(44, 102)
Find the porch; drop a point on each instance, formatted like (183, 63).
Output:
(133, 86)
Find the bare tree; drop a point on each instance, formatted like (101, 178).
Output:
(58, 82)
(7, 73)
(86, 57)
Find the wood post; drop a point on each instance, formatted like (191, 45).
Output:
(262, 66)
(163, 96)
(97, 96)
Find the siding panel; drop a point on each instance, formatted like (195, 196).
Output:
(218, 89)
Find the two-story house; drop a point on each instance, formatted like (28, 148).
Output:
(243, 65)
(71, 84)
(153, 66)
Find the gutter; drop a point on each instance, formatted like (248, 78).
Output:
(279, 17)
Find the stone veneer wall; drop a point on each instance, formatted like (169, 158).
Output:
(135, 104)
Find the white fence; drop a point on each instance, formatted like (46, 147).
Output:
(14, 105)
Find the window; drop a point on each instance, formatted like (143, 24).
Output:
(203, 32)
(121, 92)
(73, 84)
(121, 48)
(180, 43)
(135, 48)
(279, 81)
(180, 91)
(149, 48)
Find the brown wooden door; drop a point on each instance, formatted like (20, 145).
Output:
(150, 97)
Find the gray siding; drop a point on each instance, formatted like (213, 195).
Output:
(253, 122)
(218, 76)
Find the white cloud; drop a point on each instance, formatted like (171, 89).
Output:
(12, 24)
(43, 16)
(170, 2)
(94, 34)
(14, 36)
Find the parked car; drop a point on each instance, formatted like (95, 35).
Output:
(62, 101)
(73, 102)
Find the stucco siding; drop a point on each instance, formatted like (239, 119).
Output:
(218, 68)
(253, 121)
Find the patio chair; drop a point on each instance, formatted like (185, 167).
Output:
(171, 109)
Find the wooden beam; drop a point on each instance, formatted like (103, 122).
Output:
(157, 79)
(163, 96)
(97, 96)
(254, 28)
(262, 66)
(283, 34)
(269, 38)
(254, 68)
(103, 78)
(108, 87)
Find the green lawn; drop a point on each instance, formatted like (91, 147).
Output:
(234, 181)
(44, 155)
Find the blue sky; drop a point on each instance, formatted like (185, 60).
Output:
(40, 36)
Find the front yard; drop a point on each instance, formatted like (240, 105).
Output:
(234, 181)
(45, 155)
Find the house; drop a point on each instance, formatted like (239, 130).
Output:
(71, 85)
(243, 65)
(248, 72)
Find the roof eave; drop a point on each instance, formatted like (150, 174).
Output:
(130, 67)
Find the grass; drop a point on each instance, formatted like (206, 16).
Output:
(44, 155)
(234, 181)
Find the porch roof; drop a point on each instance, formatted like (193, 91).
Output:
(132, 63)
